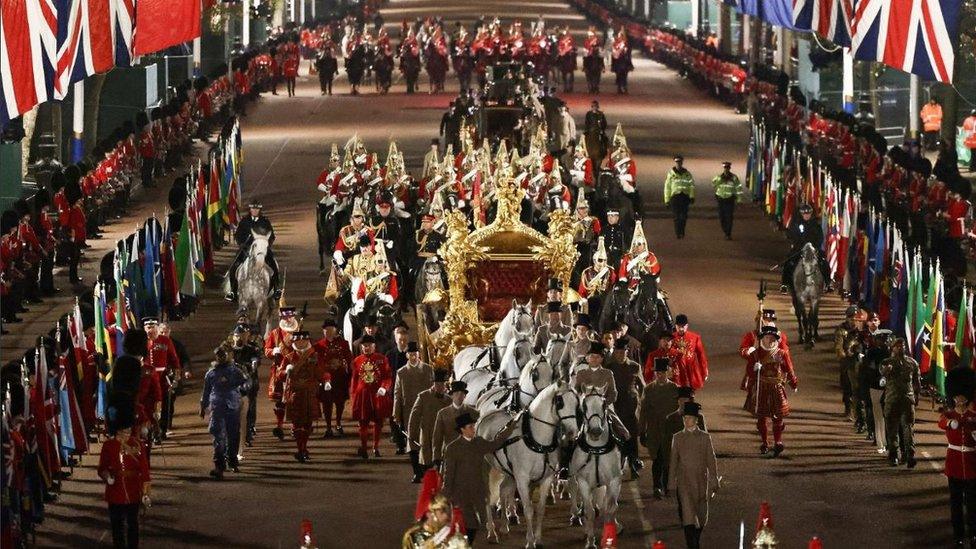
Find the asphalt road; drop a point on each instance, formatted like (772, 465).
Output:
(829, 482)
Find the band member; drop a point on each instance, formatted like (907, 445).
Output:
(958, 420)
(276, 343)
(770, 368)
(370, 387)
(162, 356)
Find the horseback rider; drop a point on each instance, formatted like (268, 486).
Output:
(803, 231)
(639, 260)
(255, 222)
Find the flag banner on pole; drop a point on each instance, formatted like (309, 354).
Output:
(28, 54)
(164, 23)
(916, 36)
(85, 41)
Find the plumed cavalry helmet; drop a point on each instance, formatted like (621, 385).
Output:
(638, 236)
(601, 250)
(334, 155)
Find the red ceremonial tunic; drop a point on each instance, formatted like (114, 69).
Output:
(691, 365)
(129, 466)
(961, 452)
(276, 377)
(337, 361)
(302, 384)
(776, 371)
(660, 352)
(150, 393)
(369, 373)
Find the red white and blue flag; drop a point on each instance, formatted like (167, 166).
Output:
(28, 48)
(124, 25)
(916, 36)
(828, 18)
(85, 41)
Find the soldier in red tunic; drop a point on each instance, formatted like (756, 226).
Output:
(161, 355)
(958, 420)
(304, 378)
(124, 467)
(750, 341)
(370, 388)
(770, 368)
(690, 364)
(277, 341)
(337, 361)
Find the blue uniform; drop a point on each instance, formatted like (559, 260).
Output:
(222, 394)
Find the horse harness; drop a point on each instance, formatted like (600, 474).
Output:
(532, 443)
(593, 453)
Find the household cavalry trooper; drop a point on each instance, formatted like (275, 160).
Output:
(728, 189)
(353, 237)
(586, 231)
(639, 260)
(679, 193)
(596, 280)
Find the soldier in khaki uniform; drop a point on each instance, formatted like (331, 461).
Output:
(659, 399)
(411, 379)
(901, 391)
(846, 337)
(422, 420)
(445, 428)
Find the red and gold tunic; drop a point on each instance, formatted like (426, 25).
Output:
(765, 388)
(337, 361)
(276, 378)
(128, 463)
(691, 364)
(369, 374)
(301, 385)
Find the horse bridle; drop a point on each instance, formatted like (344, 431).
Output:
(519, 313)
(580, 411)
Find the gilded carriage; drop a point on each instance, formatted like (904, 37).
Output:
(488, 267)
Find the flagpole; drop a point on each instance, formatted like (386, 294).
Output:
(78, 122)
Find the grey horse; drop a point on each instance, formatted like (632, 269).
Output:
(808, 285)
(254, 284)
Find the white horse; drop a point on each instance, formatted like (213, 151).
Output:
(254, 284)
(518, 321)
(596, 467)
(517, 354)
(531, 459)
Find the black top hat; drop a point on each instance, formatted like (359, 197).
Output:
(582, 320)
(371, 320)
(686, 392)
(441, 375)
(458, 386)
(661, 364)
(554, 307)
(300, 335)
(768, 314)
(596, 348)
(242, 328)
(412, 347)
(367, 339)
(555, 284)
(329, 322)
(620, 344)
(463, 421)
(691, 409)
(769, 331)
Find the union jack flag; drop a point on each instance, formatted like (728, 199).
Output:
(85, 41)
(916, 36)
(28, 47)
(828, 18)
(124, 24)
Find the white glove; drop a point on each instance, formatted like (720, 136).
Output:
(322, 188)
(146, 502)
(276, 351)
(110, 480)
(358, 307)
(882, 382)
(389, 244)
(338, 258)
(954, 424)
(387, 298)
(627, 187)
(327, 386)
(381, 391)
(757, 367)
(750, 350)
(289, 368)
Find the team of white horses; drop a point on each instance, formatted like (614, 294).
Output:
(554, 415)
